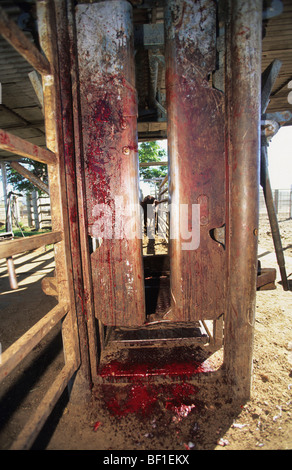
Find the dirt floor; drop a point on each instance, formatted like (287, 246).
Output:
(172, 414)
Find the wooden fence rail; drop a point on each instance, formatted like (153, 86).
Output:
(23, 346)
(21, 245)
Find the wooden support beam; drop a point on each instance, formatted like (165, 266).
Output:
(35, 424)
(49, 286)
(24, 345)
(165, 179)
(11, 32)
(31, 124)
(37, 86)
(55, 142)
(243, 105)
(147, 164)
(164, 191)
(20, 245)
(30, 176)
(12, 143)
(89, 350)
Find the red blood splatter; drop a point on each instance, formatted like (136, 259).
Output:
(4, 138)
(142, 399)
(96, 426)
(102, 110)
(146, 369)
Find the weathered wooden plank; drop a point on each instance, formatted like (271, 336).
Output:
(196, 162)
(20, 245)
(31, 430)
(147, 164)
(11, 32)
(23, 346)
(110, 148)
(87, 299)
(49, 286)
(165, 179)
(267, 276)
(37, 86)
(12, 143)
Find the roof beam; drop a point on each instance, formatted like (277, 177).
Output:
(12, 143)
(11, 32)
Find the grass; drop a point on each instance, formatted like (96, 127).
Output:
(27, 231)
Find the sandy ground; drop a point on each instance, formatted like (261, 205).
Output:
(172, 415)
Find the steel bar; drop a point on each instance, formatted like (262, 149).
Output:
(22, 44)
(268, 195)
(269, 77)
(11, 273)
(110, 152)
(243, 104)
(196, 160)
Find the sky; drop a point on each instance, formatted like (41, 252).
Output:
(280, 159)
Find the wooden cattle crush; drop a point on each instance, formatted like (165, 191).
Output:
(212, 89)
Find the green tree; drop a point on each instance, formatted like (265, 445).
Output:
(152, 152)
(23, 185)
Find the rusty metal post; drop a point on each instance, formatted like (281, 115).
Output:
(243, 89)
(196, 161)
(110, 151)
(11, 273)
(272, 213)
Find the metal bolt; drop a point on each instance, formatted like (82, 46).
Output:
(126, 150)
